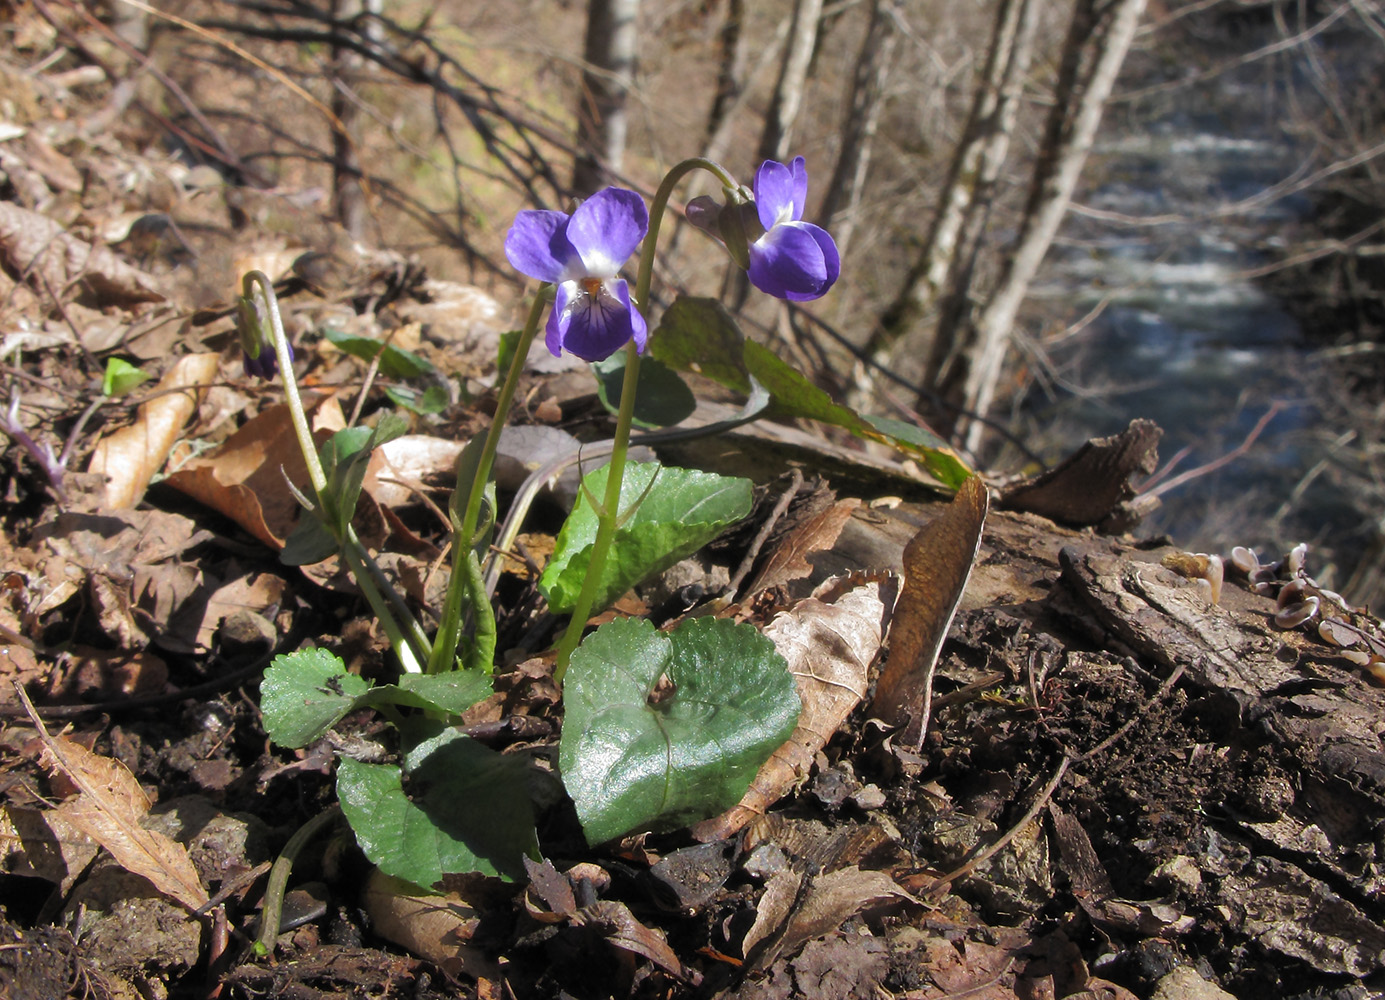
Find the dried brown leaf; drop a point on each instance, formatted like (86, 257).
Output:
(618, 925)
(243, 479)
(438, 928)
(937, 563)
(822, 906)
(829, 649)
(36, 246)
(109, 808)
(816, 533)
(41, 844)
(775, 906)
(131, 456)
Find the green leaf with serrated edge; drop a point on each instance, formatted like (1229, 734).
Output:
(662, 399)
(452, 692)
(683, 511)
(121, 377)
(699, 335)
(306, 693)
(467, 809)
(635, 758)
(395, 362)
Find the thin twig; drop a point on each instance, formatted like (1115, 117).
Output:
(980, 858)
(1136, 718)
(758, 542)
(1217, 463)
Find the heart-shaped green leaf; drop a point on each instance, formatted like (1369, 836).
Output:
(662, 398)
(661, 730)
(467, 809)
(699, 335)
(681, 512)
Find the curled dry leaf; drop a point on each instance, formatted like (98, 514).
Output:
(829, 649)
(438, 928)
(618, 925)
(937, 564)
(109, 808)
(816, 533)
(243, 479)
(33, 244)
(791, 914)
(131, 456)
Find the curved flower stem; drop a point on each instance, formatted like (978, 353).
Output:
(272, 911)
(463, 582)
(645, 276)
(295, 402)
(406, 636)
(608, 516)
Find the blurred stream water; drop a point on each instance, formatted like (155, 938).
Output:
(1187, 338)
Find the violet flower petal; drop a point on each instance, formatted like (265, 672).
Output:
(794, 260)
(537, 245)
(605, 229)
(593, 319)
(774, 193)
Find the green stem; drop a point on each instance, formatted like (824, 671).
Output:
(272, 911)
(607, 517)
(461, 584)
(406, 636)
(645, 275)
(408, 640)
(295, 402)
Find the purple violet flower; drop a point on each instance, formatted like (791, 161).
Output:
(793, 260)
(266, 364)
(582, 254)
(783, 255)
(257, 345)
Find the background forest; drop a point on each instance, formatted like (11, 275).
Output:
(1054, 216)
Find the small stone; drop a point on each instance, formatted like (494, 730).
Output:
(869, 797)
(1179, 873)
(244, 633)
(1184, 983)
(765, 861)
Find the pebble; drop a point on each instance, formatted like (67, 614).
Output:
(1184, 983)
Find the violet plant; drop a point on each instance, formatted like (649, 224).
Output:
(660, 729)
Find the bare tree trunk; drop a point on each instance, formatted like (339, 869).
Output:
(1072, 127)
(602, 120)
(722, 116)
(730, 67)
(347, 193)
(862, 119)
(793, 72)
(971, 175)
